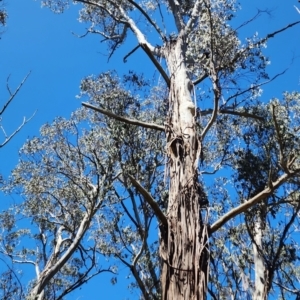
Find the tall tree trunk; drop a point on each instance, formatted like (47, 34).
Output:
(261, 276)
(184, 249)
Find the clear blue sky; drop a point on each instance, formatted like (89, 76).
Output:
(39, 41)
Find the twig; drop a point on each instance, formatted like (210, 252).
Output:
(7, 139)
(132, 51)
(12, 95)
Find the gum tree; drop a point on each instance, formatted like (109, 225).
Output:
(213, 119)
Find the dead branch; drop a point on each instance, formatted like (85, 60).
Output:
(131, 52)
(124, 119)
(12, 94)
(8, 138)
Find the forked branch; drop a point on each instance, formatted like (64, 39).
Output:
(8, 138)
(12, 94)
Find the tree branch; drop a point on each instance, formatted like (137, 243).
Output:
(248, 204)
(131, 52)
(194, 16)
(215, 82)
(124, 119)
(12, 95)
(283, 164)
(147, 47)
(159, 214)
(263, 40)
(177, 15)
(297, 9)
(200, 79)
(149, 52)
(255, 86)
(8, 138)
(271, 35)
(161, 34)
(50, 270)
(111, 14)
(232, 112)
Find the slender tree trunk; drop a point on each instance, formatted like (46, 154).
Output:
(261, 278)
(184, 249)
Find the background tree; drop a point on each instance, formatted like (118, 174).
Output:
(221, 125)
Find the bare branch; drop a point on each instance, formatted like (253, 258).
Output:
(298, 10)
(232, 112)
(149, 52)
(159, 214)
(12, 95)
(153, 59)
(248, 204)
(111, 14)
(124, 119)
(147, 47)
(256, 86)
(217, 93)
(149, 19)
(131, 52)
(200, 79)
(271, 35)
(215, 82)
(263, 40)
(258, 13)
(174, 5)
(8, 138)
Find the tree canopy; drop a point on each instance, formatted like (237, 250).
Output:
(190, 180)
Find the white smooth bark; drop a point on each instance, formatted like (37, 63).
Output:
(259, 266)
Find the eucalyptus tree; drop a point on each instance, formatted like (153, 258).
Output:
(70, 179)
(213, 120)
(203, 47)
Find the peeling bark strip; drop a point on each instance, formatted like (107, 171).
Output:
(184, 243)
